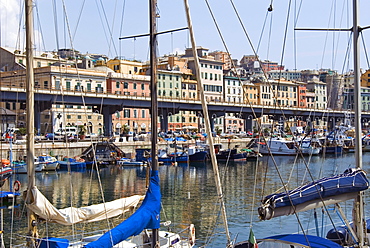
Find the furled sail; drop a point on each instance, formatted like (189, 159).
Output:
(327, 190)
(147, 216)
(69, 216)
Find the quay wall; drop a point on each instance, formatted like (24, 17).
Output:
(72, 149)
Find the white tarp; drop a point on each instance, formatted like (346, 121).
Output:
(69, 216)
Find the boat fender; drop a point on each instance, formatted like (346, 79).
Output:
(16, 185)
(191, 234)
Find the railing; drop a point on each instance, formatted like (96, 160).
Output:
(137, 95)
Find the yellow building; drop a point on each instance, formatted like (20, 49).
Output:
(125, 66)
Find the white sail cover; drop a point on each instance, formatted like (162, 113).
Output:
(69, 216)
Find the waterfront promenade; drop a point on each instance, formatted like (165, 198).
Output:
(72, 149)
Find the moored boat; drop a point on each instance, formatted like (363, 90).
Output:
(72, 163)
(48, 163)
(20, 167)
(283, 146)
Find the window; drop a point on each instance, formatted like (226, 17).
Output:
(79, 117)
(117, 85)
(134, 86)
(88, 86)
(143, 86)
(68, 85)
(89, 117)
(46, 84)
(69, 117)
(135, 113)
(143, 113)
(125, 85)
(126, 113)
(57, 85)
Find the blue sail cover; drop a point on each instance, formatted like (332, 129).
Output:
(302, 240)
(351, 181)
(147, 216)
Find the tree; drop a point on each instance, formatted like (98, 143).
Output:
(81, 131)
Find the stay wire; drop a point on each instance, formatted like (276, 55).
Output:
(39, 24)
(111, 41)
(121, 25)
(20, 26)
(365, 50)
(78, 19)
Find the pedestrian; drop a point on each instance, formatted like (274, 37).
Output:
(7, 137)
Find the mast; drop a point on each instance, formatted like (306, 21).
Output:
(207, 123)
(154, 103)
(359, 204)
(32, 230)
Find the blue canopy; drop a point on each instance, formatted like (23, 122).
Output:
(177, 139)
(302, 240)
(147, 216)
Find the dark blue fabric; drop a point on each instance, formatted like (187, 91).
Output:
(352, 180)
(147, 216)
(300, 239)
(51, 242)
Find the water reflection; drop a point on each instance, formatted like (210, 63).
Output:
(189, 195)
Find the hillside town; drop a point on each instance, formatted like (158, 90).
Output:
(249, 81)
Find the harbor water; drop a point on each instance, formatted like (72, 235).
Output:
(189, 196)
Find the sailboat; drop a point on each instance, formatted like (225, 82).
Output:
(148, 214)
(325, 191)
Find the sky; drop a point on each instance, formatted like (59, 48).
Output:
(94, 26)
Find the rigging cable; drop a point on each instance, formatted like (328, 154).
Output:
(20, 25)
(78, 19)
(41, 36)
(109, 38)
(364, 44)
(121, 26)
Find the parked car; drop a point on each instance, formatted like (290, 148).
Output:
(53, 136)
(91, 136)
